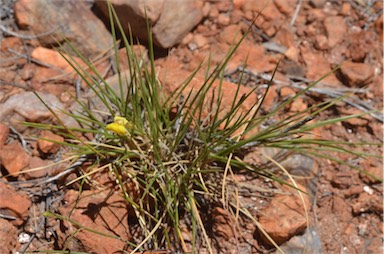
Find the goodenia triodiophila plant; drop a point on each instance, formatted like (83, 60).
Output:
(177, 160)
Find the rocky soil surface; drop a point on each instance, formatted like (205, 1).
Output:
(314, 36)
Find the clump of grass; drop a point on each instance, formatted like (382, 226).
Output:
(176, 156)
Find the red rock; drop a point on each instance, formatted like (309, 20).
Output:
(53, 58)
(346, 9)
(27, 72)
(317, 3)
(14, 158)
(317, 66)
(267, 8)
(336, 29)
(8, 236)
(187, 39)
(238, 3)
(99, 211)
(206, 9)
(372, 171)
(61, 70)
(286, 7)
(198, 41)
(36, 169)
(356, 74)
(321, 42)
(341, 208)
(14, 203)
(236, 16)
(7, 75)
(367, 203)
(230, 34)
(47, 146)
(4, 131)
(285, 37)
(72, 20)
(45, 74)
(169, 27)
(257, 60)
(214, 12)
(284, 217)
(361, 44)
(223, 223)
(223, 19)
(11, 43)
(298, 105)
(224, 5)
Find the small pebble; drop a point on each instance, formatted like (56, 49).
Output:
(24, 238)
(368, 189)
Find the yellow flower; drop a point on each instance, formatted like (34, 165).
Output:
(120, 126)
(117, 128)
(123, 121)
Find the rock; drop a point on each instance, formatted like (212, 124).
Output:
(53, 58)
(317, 3)
(372, 171)
(285, 37)
(292, 68)
(224, 5)
(284, 217)
(39, 168)
(8, 236)
(206, 9)
(318, 66)
(172, 27)
(100, 211)
(223, 223)
(257, 60)
(60, 68)
(286, 7)
(169, 24)
(223, 19)
(346, 9)
(361, 44)
(198, 41)
(7, 75)
(267, 8)
(213, 13)
(70, 19)
(321, 42)
(25, 106)
(47, 146)
(336, 29)
(341, 207)
(14, 158)
(356, 74)
(14, 203)
(308, 243)
(4, 132)
(231, 34)
(367, 203)
(11, 44)
(28, 71)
